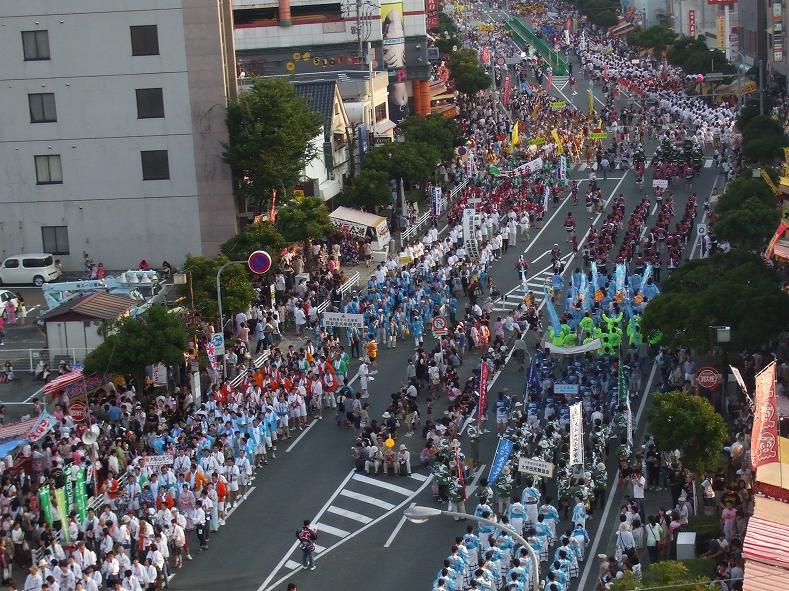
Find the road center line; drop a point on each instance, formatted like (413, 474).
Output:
(397, 529)
(303, 433)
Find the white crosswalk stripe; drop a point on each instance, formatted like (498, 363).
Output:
(359, 501)
(536, 284)
(708, 163)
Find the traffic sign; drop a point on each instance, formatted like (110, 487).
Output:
(218, 342)
(78, 410)
(440, 326)
(701, 229)
(708, 377)
(259, 262)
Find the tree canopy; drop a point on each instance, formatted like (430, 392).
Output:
(467, 73)
(270, 129)
(599, 12)
(440, 132)
(656, 38)
(411, 161)
(746, 213)
(668, 573)
(157, 336)
(237, 293)
(690, 424)
(447, 39)
(695, 57)
(305, 219)
(369, 190)
(763, 139)
(734, 289)
(259, 236)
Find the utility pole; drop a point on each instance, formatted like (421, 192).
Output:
(761, 87)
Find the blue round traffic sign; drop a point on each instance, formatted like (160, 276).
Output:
(259, 262)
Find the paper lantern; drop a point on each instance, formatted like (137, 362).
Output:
(389, 442)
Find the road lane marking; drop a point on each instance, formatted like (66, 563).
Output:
(293, 565)
(610, 501)
(366, 499)
(330, 529)
(349, 514)
(397, 529)
(295, 545)
(418, 476)
(381, 484)
(284, 578)
(303, 433)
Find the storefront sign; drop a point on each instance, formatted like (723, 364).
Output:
(720, 29)
(764, 436)
(83, 386)
(691, 23)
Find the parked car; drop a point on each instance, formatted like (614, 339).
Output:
(5, 296)
(24, 269)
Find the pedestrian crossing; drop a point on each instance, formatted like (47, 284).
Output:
(561, 82)
(535, 283)
(359, 502)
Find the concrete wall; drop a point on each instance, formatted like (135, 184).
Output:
(109, 210)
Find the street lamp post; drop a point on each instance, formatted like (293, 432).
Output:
(219, 300)
(420, 514)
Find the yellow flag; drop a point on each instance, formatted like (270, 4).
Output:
(591, 100)
(535, 111)
(515, 137)
(558, 140)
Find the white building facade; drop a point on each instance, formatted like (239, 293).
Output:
(112, 128)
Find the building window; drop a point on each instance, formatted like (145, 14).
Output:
(155, 165)
(48, 170)
(150, 103)
(42, 107)
(55, 239)
(35, 45)
(380, 112)
(145, 40)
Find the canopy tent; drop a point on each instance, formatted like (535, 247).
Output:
(361, 224)
(63, 381)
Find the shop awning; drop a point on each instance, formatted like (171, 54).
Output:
(622, 28)
(63, 381)
(383, 126)
(772, 247)
(354, 216)
(763, 542)
(761, 577)
(781, 251)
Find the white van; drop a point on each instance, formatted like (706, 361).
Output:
(24, 269)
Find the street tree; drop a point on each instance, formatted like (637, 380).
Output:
(671, 574)
(411, 161)
(271, 130)
(131, 344)
(440, 132)
(734, 289)
(237, 292)
(599, 12)
(305, 219)
(749, 226)
(763, 139)
(369, 190)
(467, 73)
(656, 38)
(260, 236)
(690, 424)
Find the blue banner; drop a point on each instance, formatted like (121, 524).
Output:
(647, 274)
(586, 292)
(595, 281)
(557, 326)
(620, 277)
(533, 381)
(503, 451)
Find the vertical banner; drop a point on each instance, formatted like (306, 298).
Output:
(563, 169)
(764, 437)
(503, 451)
(691, 23)
(45, 504)
(515, 136)
(60, 499)
(505, 99)
(393, 36)
(486, 56)
(69, 496)
(591, 100)
(619, 277)
(81, 495)
(576, 434)
(483, 388)
(720, 29)
(461, 473)
(558, 141)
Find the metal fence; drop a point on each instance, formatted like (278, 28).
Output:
(414, 228)
(27, 359)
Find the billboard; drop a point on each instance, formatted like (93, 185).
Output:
(394, 58)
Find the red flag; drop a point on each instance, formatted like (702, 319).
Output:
(483, 389)
(272, 215)
(225, 391)
(764, 437)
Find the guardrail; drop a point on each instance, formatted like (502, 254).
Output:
(526, 36)
(414, 228)
(353, 281)
(27, 359)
